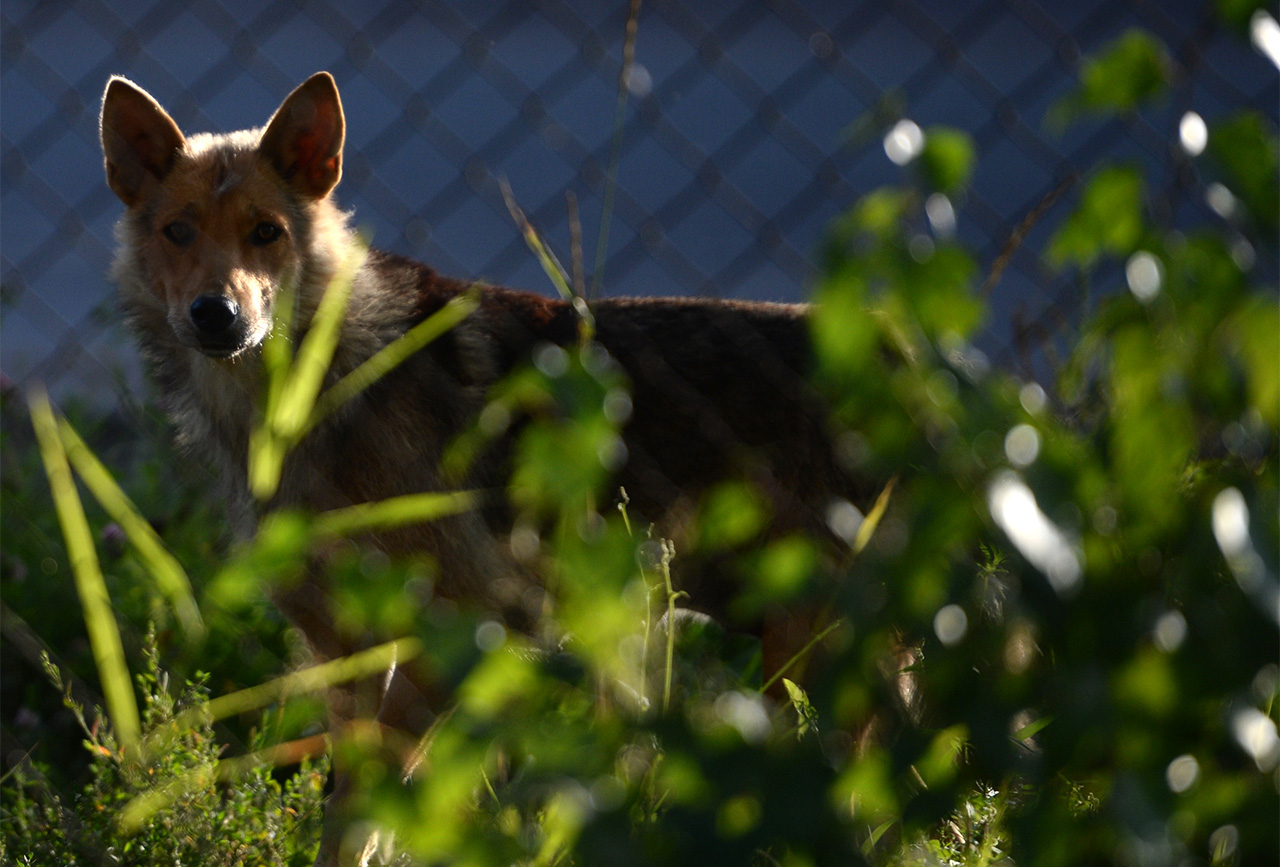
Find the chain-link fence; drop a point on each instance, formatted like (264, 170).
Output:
(749, 126)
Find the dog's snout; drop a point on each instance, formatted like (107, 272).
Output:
(213, 315)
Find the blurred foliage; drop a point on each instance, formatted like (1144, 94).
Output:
(1132, 70)
(947, 159)
(1059, 646)
(1245, 149)
(1108, 222)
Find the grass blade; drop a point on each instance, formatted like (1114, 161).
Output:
(138, 811)
(313, 679)
(266, 452)
(395, 512)
(813, 642)
(162, 566)
(104, 635)
(375, 660)
(869, 523)
(1033, 728)
(668, 554)
(393, 354)
(615, 146)
(292, 387)
(316, 351)
(550, 264)
(266, 462)
(277, 348)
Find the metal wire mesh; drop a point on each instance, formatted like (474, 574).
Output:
(750, 125)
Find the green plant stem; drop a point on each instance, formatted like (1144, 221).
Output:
(799, 655)
(668, 552)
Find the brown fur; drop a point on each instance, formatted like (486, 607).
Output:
(719, 387)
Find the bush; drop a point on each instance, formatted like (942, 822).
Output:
(212, 818)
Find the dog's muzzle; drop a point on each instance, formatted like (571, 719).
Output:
(219, 327)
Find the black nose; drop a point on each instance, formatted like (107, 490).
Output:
(213, 315)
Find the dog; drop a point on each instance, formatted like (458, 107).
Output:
(216, 225)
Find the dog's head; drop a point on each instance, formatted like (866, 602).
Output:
(218, 221)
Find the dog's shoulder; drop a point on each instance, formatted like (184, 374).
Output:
(423, 291)
(497, 337)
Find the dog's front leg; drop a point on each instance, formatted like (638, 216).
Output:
(404, 714)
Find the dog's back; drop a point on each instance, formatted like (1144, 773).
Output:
(718, 391)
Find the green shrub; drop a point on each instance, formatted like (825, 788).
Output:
(252, 818)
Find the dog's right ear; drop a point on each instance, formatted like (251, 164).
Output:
(140, 142)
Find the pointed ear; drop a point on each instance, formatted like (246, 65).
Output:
(140, 142)
(303, 139)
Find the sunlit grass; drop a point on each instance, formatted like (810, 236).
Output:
(95, 600)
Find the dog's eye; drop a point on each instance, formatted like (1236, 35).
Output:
(265, 233)
(179, 232)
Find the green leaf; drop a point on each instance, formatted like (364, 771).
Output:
(1245, 147)
(940, 762)
(867, 785)
(1255, 335)
(594, 572)
(502, 678)
(1146, 685)
(880, 212)
(274, 559)
(731, 515)
(738, 816)
(947, 159)
(939, 292)
(843, 331)
(1152, 431)
(1130, 71)
(561, 465)
(1109, 220)
(807, 715)
(785, 566)
(1238, 13)
(1032, 729)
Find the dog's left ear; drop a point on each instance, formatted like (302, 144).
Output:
(303, 139)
